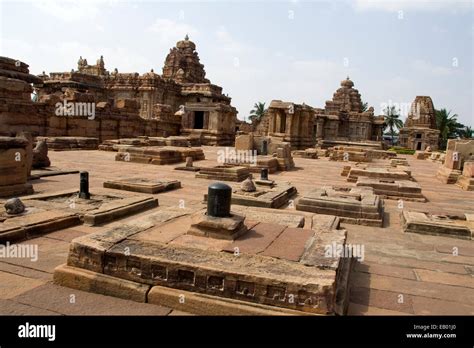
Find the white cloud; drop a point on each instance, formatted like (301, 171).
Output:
(169, 31)
(431, 69)
(227, 42)
(413, 5)
(69, 10)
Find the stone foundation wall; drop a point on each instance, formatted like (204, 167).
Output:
(39, 119)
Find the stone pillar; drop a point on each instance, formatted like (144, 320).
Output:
(84, 186)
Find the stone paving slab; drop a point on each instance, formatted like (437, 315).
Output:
(12, 285)
(10, 307)
(290, 244)
(257, 239)
(68, 301)
(383, 299)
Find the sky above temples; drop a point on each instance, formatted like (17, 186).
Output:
(258, 51)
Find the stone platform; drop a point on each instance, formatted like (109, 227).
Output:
(54, 211)
(347, 153)
(174, 141)
(158, 155)
(466, 180)
(263, 162)
(307, 153)
(271, 265)
(70, 143)
(353, 205)
(354, 172)
(448, 175)
(224, 173)
(142, 185)
(393, 189)
(397, 162)
(438, 225)
(265, 196)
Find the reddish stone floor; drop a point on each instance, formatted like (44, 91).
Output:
(401, 274)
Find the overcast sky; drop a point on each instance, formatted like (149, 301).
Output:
(258, 51)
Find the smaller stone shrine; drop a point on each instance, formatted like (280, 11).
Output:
(393, 189)
(420, 131)
(356, 205)
(143, 185)
(457, 152)
(466, 180)
(158, 155)
(389, 173)
(258, 195)
(224, 173)
(438, 225)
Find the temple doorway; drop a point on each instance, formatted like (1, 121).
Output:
(198, 119)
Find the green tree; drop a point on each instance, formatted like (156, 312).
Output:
(466, 132)
(258, 111)
(392, 120)
(448, 126)
(365, 106)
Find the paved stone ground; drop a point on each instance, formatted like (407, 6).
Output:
(401, 273)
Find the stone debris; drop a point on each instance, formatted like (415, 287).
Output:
(40, 155)
(14, 206)
(248, 185)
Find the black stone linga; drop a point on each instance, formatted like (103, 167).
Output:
(218, 200)
(84, 186)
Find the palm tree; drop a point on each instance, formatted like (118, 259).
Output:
(448, 126)
(392, 120)
(466, 132)
(365, 106)
(258, 111)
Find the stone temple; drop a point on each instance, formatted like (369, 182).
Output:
(181, 101)
(341, 122)
(420, 130)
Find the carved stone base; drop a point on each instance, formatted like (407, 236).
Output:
(217, 227)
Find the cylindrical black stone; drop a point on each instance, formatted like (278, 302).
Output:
(84, 186)
(218, 200)
(264, 147)
(264, 174)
